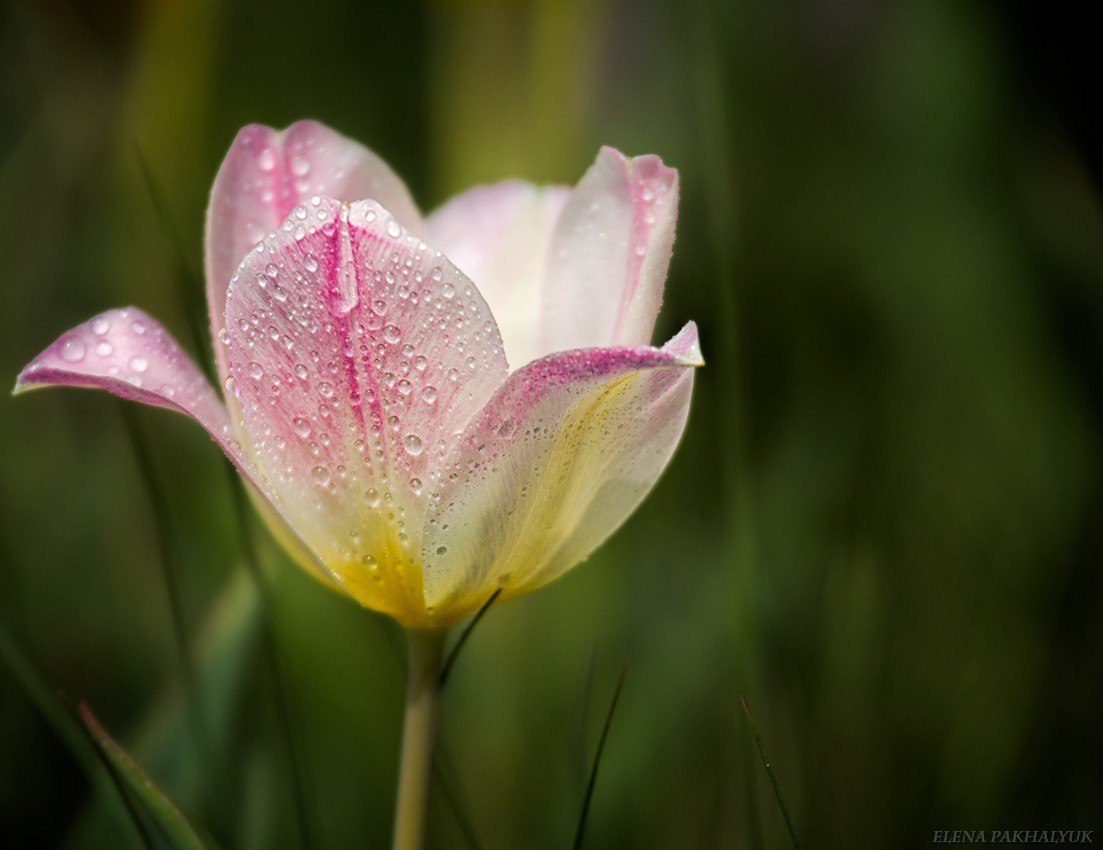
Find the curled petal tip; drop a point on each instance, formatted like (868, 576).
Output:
(686, 346)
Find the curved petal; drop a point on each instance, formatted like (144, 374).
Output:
(266, 174)
(355, 354)
(499, 236)
(132, 356)
(609, 255)
(554, 463)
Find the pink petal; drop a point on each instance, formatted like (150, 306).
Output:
(355, 353)
(499, 236)
(266, 174)
(554, 463)
(609, 255)
(132, 356)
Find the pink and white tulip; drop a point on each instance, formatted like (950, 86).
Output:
(426, 409)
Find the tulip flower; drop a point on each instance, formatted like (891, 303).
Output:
(425, 410)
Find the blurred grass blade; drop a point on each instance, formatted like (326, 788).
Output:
(444, 769)
(225, 646)
(189, 286)
(447, 668)
(271, 651)
(597, 759)
(159, 504)
(169, 572)
(770, 772)
(63, 720)
(170, 821)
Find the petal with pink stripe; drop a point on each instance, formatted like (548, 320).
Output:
(556, 461)
(356, 353)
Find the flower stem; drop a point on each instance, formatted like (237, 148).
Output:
(424, 649)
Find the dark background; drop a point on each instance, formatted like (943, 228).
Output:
(885, 522)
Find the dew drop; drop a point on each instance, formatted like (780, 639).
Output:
(325, 390)
(255, 371)
(429, 394)
(301, 426)
(72, 350)
(447, 290)
(100, 325)
(138, 363)
(412, 442)
(104, 348)
(393, 229)
(267, 160)
(372, 496)
(392, 334)
(320, 474)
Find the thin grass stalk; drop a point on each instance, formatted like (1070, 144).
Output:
(590, 785)
(770, 772)
(446, 668)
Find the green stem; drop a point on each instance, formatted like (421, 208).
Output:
(424, 649)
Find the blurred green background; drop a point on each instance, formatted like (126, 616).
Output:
(883, 527)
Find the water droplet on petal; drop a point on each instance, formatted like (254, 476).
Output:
(104, 348)
(138, 327)
(320, 474)
(139, 363)
(255, 371)
(100, 325)
(301, 426)
(447, 290)
(266, 160)
(412, 442)
(72, 351)
(325, 390)
(392, 334)
(393, 229)
(429, 394)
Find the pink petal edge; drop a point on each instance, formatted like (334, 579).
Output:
(131, 355)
